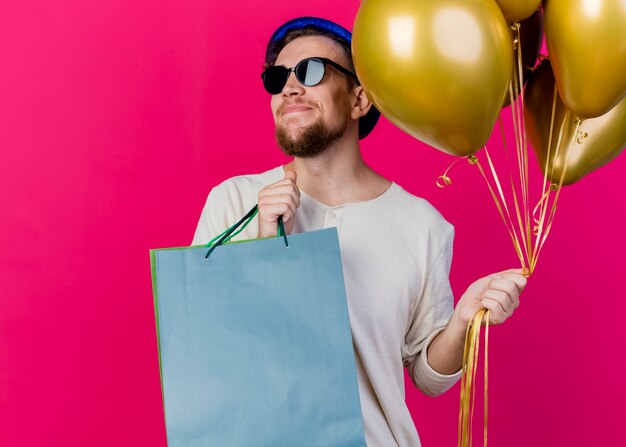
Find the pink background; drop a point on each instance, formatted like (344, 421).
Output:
(118, 117)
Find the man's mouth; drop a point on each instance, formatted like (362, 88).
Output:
(295, 109)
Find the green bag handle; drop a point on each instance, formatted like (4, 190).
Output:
(230, 233)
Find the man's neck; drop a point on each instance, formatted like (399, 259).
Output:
(338, 175)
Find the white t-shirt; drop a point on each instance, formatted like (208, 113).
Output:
(396, 251)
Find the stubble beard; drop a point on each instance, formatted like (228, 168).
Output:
(312, 141)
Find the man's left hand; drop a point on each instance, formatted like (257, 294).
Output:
(498, 292)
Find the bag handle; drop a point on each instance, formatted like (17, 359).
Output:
(230, 233)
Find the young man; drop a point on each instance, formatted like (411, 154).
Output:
(396, 248)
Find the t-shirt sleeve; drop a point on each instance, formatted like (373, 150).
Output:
(215, 217)
(430, 316)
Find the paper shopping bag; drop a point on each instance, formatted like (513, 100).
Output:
(255, 347)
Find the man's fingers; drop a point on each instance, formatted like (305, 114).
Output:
(276, 210)
(507, 286)
(503, 298)
(515, 275)
(277, 205)
(519, 280)
(497, 314)
(284, 183)
(284, 186)
(271, 204)
(281, 198)
(291, 175)
(515, 270)
(280, 191)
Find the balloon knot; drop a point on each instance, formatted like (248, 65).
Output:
(580, 136)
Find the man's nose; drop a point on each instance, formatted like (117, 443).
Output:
(292, 86)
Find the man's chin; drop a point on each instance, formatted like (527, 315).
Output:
(295, 128)
(308, 141)
(293, 134)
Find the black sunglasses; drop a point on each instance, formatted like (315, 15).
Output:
(309, 72)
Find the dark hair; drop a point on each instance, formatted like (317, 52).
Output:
(290, 36)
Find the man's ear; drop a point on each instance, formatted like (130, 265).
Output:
(361, 103)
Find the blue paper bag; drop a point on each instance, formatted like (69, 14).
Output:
(255, 345)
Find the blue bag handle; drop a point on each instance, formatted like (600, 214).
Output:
(229, 233)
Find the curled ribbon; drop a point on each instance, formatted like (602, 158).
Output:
(444, 180)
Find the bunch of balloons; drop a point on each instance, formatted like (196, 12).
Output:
(441, 70)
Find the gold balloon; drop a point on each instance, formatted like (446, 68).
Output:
(597, 142)
(587, 45)
(439, 70)
(516, 10)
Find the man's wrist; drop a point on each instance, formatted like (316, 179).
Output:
(456, 328)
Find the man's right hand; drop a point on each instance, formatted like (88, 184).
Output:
(278, 199)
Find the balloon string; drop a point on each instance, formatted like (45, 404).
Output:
(515, 86)
(521, 214)
(546, 189)
(542, 204)
(468, 378)
(539, 240)
(509, 225)
(575, 137)
(555, 94)
(521, 144)
(494, 174)
(522, 126)
(512, 89)
(473, 381)
(485, 398)
(518, 213)
(497, 182)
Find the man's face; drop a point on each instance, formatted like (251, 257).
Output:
(309, 119)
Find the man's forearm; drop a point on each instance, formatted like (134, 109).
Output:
(445, 352)
(498, 293)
